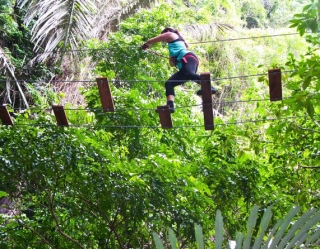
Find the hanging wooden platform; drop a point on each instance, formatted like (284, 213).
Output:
(105, 94)
(60, 115)
(207, 106)
(275, 85)
(5, 116)
(165, 116)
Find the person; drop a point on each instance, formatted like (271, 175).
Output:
(186, 61)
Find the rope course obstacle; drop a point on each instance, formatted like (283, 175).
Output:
(275, 86)
(275, 90)
(105, 94)
(164, 116)
(60, 115)
(5, 116)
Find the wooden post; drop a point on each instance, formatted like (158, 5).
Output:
(5, 116)
(105, 94)
(207, 101)
(275, 86)
(60, 115)
(165, 117)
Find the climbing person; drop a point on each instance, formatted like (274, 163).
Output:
(185, 60)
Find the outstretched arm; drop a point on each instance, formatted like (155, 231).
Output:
(165, 37)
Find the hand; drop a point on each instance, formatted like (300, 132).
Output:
(145, 46)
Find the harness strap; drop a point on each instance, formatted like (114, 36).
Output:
(184, 58)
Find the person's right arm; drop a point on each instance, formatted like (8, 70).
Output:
(165, 37)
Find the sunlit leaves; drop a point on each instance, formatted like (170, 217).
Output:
(308, 20)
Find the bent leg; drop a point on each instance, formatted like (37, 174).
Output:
(176, 79)
(190, 70)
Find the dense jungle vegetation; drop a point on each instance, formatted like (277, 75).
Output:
(111, 179)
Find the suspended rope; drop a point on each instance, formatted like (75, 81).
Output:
(159, 127)
(157, 80)
(191, 43)
(243, 38)
(147, 109)
(101, 111)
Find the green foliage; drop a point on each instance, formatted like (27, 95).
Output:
(15, 41)
(88, 184)
(254, 14)
(42, 96)
(8, 26)
(111, 179)
(308, 19)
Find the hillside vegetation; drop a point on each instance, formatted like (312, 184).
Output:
(111, 179)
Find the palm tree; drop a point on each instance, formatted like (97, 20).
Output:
(61, 25)
(302, 232)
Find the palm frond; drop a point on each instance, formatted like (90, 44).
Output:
(59, 25)
(294, 228)
(8, 69)
(239, 239)
(157, 241)
(263, 228)
(308, 223)
(219, 230)
(110, 13)
(271, 235)
(289, 232)
(207, 31)
(283, 227)
(173, 239)
(250, 226)
(199, 236)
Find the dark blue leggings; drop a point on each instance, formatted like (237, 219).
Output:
(186, 73)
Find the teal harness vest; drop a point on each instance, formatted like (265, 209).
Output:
(178, 49)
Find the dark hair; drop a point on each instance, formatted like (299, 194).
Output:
(176, 32)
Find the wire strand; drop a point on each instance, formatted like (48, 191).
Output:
(191, 43)
(159, 127)
(101, 109)
(157, 80)
(148, 109)
(243, 38)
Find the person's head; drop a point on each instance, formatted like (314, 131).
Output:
(174, 31)
(169, 30)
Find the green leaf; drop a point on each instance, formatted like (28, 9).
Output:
(303, 233)
(313, 238)
(199, 236)
(306, 82)
(3, 194)
(294, 24)
(313, 25)
(297, 225)
(219, 230)
(271, 235)
(305, 8)
(173, 239)
(263, 228)
(284, 224)
(239, 239)
(250, 226)
(157, 241)
(310, 108)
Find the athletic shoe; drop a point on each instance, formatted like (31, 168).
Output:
(171, 109)
(213, 91)
(170, 103)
